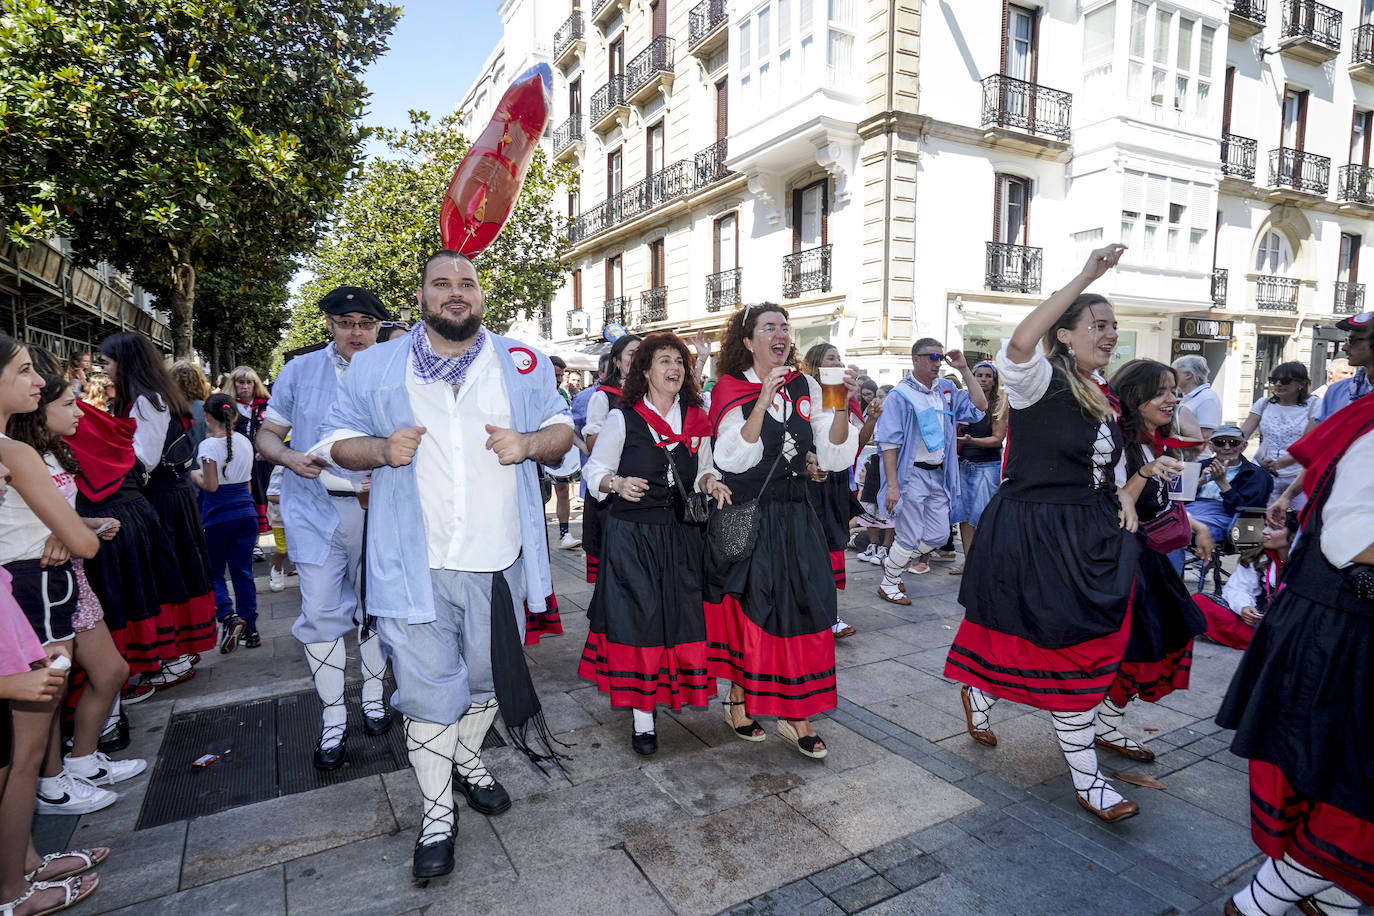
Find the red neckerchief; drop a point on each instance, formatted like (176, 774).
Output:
(1112, 399)
(104, 448)
(612, 393)
(733, 391)
(1322, 448)
(856, 409)
(1276, 566)
(1159, 442)
(695, 427)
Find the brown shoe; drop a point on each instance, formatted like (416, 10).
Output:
(982, 736)
(1305, 906)
(1117, 812)
(1230, 909)
(1142, 754)
(900, 599)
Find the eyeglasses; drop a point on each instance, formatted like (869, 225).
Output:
(367, 324)
(1227, 443)
(933, 357)
(1282, 379)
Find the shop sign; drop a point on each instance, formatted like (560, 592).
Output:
(1205, 329)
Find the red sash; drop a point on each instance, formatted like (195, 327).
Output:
(695, 427)
(104, 447)
(1319, 450)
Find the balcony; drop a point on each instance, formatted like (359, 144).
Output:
(1355, 184)
(709, 165)
(653, 306)
(1311, 31)
(722, 290)
(1247, 18)
(569, 42)
(706, 32)
(577, 323)
(1276, 294)
(604, 11)
(1238, 157)
(650, 70)
(1013, 268)
(546, 324)
(1012, 105)
(615, 311)
(1219, 280)
(806, 272)
(1349, 298)
(568, 142)
(1362, 53)
(1299, 170)
(609, 105)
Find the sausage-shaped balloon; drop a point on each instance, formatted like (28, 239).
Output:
(486, 183)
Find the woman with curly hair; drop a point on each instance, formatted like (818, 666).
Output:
(769, 617)
(647, 640)
(250, 397)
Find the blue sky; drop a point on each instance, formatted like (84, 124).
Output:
(434, 53)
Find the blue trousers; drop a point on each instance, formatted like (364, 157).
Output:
(231, 544)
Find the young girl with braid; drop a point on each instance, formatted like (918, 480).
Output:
(224, 469)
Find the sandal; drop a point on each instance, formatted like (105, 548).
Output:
(807, 746)
(72, 894)
(751, 732)
(90, 858)
(958, 570)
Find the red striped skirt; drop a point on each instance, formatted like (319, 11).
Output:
(837, 567)
(1332, 842)
(138, 642)
(1152, 681)
(643, 677)
(792, 677)
(193, 626)
(1224, 625)
(548, 623)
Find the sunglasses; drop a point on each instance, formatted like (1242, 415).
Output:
(933, 357)
(1227, 443)
(1282, 379)
(348, 325)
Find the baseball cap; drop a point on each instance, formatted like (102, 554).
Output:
(1227, 431)
(344, 299)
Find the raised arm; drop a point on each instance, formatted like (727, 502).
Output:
(1037, 324)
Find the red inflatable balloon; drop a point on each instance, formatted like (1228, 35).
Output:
(486, 183)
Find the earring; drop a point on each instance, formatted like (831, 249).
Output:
(1071, 349)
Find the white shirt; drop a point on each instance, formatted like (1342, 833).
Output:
(1280, 426)
(598, 409)
(237, 470)
(1205, 406)
(610, 442)
(735, 455)
(1242, 589)
(1348, 516)
(150, 433)
(468, 499)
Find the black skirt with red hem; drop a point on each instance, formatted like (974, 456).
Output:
(138, 642)
(547, 623)
(1224, 625)
(642, 677)
(196, 629)
(837, 568)
(1164, 620)
(1332, 842)
(593, 523)
(792, 677)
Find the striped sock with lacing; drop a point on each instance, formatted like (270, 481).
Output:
(1278, 885)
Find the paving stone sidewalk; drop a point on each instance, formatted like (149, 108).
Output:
(905, 815)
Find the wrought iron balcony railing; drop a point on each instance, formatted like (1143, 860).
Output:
(577, 322)
(1276, 294)
(1362, 44)
(608, 97)
(615, 311)
(1220, 277)
(1023, 106)
(655, 59)
(1314, 21)
(1253, 10)
(1238, 156)
(710, 165)
(568, 32)
(653, 305)
(1299, 170)
(806, 272)
(567, 133)
(1013, 268)
(1349, 299)
(1355, 183)
(705, 18)
(722, 290)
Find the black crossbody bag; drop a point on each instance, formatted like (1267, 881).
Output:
(733, 529)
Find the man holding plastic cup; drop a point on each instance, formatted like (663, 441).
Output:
(920, 471)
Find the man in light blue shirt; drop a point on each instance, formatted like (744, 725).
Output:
(1360, 353)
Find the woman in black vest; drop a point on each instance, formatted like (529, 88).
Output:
(647, 639)
(1300, 700)
(1047, 585)
(769, 617)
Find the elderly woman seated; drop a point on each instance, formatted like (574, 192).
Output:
(1229, 483)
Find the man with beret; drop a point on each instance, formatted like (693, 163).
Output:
(1360, 352)
(322, 511)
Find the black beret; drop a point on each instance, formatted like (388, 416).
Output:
(345, 299)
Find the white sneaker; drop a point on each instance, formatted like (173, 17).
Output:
(100, 770)
(568, 542)
(879, 556)
(867, 554)
(276, 579)
(68, 794)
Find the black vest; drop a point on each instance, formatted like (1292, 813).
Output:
(1050, 451)
(641, 456)
(789, 477)
(981, 454)
(1310, 574)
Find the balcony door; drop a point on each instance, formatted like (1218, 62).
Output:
(615, 173)
(575, 100)
(1018, 43)
(1361, 127)
(615, 55)
(722, 109)
(658, 13)
(653, 149)
(725, 245)
(1294, 118)
(1012, 208)
(1274, 256)
(615, 278)
(1348, 269)
(809, 217)
(658, 263)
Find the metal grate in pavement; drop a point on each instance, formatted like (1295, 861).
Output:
(265, 749)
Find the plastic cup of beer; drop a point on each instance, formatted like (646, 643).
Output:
(834, 396)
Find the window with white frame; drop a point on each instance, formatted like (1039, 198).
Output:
(1170, 57)
(1274, 256)
(1164, 220)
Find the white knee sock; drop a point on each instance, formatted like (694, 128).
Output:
(472, 730)
(113, 718)
(894, 564)
(1336, 902)
(644, 722)
(374, 669)
(431, 748)
(1075, 733)
(981, 704)
(327, 666)
(1278, 885)
(1109, 719)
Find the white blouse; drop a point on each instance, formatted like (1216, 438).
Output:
(150, 433)
(598, 408)
(1348, 515)
(610, 442)
(734, 455)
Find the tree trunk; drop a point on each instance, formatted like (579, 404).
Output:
(183, 304)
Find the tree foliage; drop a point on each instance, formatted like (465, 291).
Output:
(388, 223)
(167, 136)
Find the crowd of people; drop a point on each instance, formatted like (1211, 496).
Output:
(717, 514)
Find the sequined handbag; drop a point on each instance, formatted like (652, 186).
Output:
(733, 529)
(695, 508)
